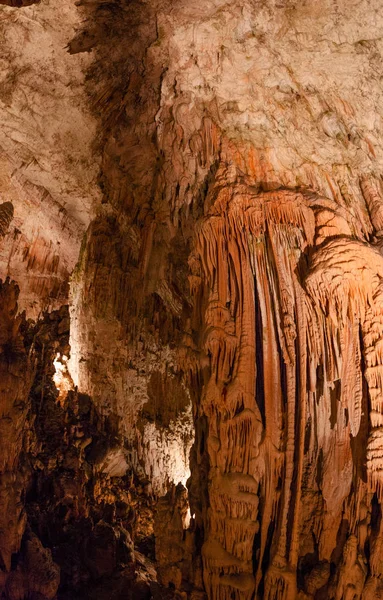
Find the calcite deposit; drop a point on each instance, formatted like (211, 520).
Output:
(191, 300)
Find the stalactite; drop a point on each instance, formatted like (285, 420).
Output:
(371, 189)
(286, 347)
(6, 216)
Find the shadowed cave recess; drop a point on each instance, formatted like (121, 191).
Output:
(191, 300)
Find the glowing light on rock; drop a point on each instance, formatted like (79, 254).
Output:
(186, 523)
(62, 378)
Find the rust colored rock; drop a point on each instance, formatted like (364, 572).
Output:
(279, 335)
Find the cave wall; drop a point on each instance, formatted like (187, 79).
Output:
(201, 183)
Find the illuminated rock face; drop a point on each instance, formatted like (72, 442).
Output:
(220, 165)
(287, 305)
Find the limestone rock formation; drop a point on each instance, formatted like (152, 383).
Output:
(18, 3)
(191, 219)
(171, 523)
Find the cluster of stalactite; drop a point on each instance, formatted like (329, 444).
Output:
(288, 331)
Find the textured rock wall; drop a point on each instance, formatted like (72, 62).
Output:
(16, 378)
(123, 356)
(230, 274)
(48, 167)
(68, 516)
(267, 145)
(26, 567)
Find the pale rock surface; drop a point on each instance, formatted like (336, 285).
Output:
(48, 165)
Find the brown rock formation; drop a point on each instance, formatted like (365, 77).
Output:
(173, 553)
(18, 3)
(35, 572)
(16, 378)
(287, 304)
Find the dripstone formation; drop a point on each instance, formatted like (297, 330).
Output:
(191, 300)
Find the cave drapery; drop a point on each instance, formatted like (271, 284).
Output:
(191, 300)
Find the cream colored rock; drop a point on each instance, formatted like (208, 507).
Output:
(48, 167)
